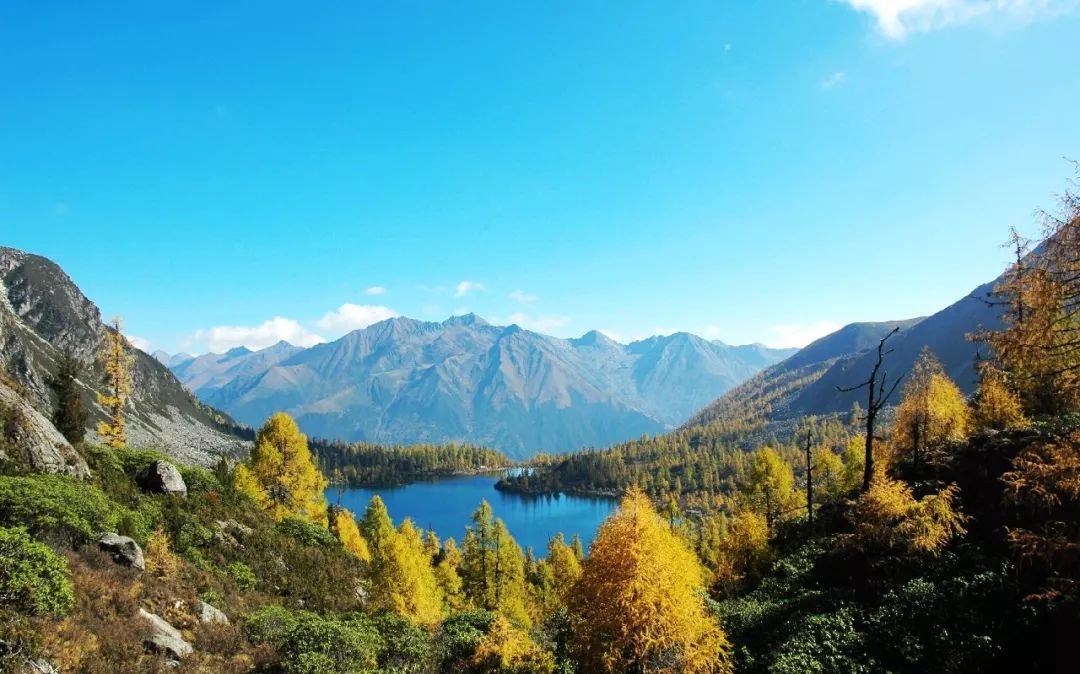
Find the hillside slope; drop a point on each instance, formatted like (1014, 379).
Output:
(43, 314)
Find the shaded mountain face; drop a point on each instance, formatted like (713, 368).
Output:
(807, 382)
(43, 314)
(403, 380)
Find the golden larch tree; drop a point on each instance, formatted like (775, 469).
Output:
(281, 475)
(402, 581)
(932, 411)
(343, 526)
(770, 487)
(116, 361)
(638, 601)
(996, 406)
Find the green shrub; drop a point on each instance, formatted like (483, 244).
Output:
(318, 645)
(33, 578)
(406, 648)
(462, 633)
(64, 509)
(199, 480)
(306, 532)
(270, 624)
(243, 575)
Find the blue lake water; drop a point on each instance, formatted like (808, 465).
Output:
(446, 505)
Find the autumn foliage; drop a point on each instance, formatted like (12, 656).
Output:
(639, 603)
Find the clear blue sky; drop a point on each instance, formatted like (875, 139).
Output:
(746, 170)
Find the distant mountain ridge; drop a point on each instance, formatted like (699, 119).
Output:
(43, 315)
(402, 380)
(808, 382)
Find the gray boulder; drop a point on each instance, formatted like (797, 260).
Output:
(165, 638)
(36, 441)
(208, 614)
(161, 477)
(124, 551)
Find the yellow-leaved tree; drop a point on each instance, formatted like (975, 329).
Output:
(402, 579)
(343, 526)
(932, 412)
(888, 516)
(996, 406)
(770, 487)
(506, 648)
(743, 551)
(639, 603)
(116, 361)
(281, 475)
(448, 577)
(493, 567)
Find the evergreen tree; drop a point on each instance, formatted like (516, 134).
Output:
(494, 567)
(70, 415)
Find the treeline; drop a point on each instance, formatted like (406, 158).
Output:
(362, 464)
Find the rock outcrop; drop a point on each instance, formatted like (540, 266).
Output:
(161, 477)
(31, 439)
(124, 550)
(165, 638)
(210, 615)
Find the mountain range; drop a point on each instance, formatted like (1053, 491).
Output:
(405, 381)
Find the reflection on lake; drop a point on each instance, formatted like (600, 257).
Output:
(447, 504)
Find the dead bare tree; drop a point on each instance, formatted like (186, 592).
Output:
(877, 397)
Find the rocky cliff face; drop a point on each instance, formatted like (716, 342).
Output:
(43, 314)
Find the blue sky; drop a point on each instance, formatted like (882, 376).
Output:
(225, 173)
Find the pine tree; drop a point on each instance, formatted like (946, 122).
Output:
(638, 600)
(281, 475)
(70, 415)
(116, 362)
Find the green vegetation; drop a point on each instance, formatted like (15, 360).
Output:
(362, 464)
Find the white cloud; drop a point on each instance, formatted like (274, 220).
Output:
(799, 334)
(834, 80)
(140, 343)
(375, 290)
(465, 287)
(350, 317)
(538, 323)
(897, 18)
(225, 337)
(522, 297)
(712, 332)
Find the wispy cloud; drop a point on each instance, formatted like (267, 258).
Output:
(465, 287)
(225, 337)
(711, 332)
(897, 18)
(611, 334)
(522, 297)
(350, 317)
(787, 335)
(834, 80)
(375, 290)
